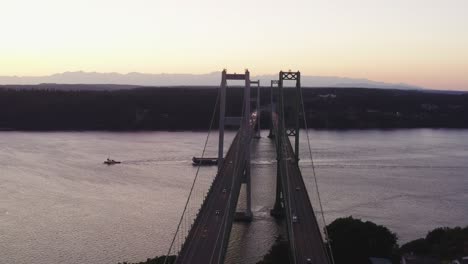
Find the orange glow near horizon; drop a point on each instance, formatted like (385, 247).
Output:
(418, 42)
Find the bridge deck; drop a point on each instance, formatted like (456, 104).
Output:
(308, 243)
(207, 239)
(304, 233)
(208, 236)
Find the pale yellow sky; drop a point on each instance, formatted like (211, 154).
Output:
(418, 42)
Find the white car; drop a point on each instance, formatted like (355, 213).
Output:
(294, 219)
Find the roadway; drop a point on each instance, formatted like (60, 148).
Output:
(209, 235)
(304, 233)
(308, 243)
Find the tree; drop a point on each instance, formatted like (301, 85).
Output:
(354, 241)
(441, 243)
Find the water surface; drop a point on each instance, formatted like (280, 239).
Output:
(60, 204)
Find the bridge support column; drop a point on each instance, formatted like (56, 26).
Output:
(278, 209)
(257, 107)
(298, 115)
(272, 108)
(222, 118)
(271, 134)
(295, 128)
(247, 96)
(247, 215)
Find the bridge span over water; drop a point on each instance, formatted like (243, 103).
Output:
(207, 239)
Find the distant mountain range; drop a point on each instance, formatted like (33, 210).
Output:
(163, 79)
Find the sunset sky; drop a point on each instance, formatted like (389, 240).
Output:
(419, 42)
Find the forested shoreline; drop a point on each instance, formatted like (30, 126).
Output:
(356, 241)
(43, 108)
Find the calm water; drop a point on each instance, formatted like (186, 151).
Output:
(60, 204)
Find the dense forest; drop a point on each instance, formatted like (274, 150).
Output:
(191, 108)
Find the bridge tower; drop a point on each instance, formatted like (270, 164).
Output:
(236, 120)
(293, 131)
(283, 127)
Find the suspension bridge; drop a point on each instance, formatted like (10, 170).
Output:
(203, 237)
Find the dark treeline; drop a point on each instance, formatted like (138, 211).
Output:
(356, 241)
(191, 108)
(442, 243)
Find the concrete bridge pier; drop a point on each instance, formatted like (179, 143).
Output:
(278, 209)
(247, 215)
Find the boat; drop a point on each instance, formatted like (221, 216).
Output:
(111, 162)
(204, 161)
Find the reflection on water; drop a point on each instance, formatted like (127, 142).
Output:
(60, 204)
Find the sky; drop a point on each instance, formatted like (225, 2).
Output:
(419, 42)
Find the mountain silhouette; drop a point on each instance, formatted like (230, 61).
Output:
(163, 79)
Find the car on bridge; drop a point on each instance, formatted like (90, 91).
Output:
(205, 232)
(295, 219)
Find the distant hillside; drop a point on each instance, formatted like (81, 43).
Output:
(190, 108)
(210, 79)
(69, 87)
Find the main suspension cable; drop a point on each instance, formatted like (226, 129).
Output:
(194, 180)
(315, 177)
